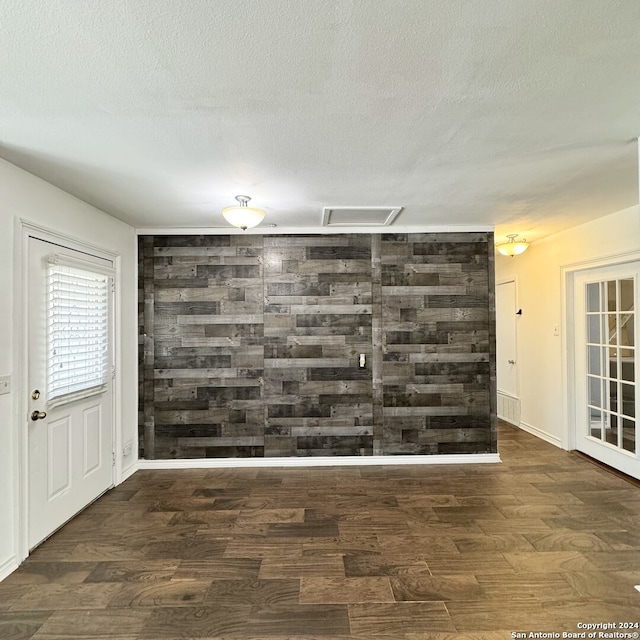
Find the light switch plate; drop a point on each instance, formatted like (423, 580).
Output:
(5, 384)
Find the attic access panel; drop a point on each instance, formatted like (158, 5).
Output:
(359, 216)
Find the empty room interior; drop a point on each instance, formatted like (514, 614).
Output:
(319, 319)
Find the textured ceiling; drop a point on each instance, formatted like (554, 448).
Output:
(515, 113)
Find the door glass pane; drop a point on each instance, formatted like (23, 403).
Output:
(595, 423)
(628, 399)
(613, 362)
(593, 328)
(613, 395)
(627, 336)
(626, 295)
(627, 365)
(612, 322)
(593, 296)
(595, 394)
(611, 430)
(611, 295)
(629, 435)
(593, 361)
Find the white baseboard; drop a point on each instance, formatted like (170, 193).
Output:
(543, 435)
(129, 471)
(320, 461)
(8, 567)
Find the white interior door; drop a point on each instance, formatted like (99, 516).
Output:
(606, 357)
(506, 361)
(70, 437)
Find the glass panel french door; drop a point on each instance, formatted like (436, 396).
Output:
(606, 356)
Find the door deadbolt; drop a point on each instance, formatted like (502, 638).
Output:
(35, 394)
(38, 415)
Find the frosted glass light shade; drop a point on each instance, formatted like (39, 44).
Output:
(241, 215)
(512, 248)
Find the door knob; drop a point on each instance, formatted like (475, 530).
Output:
(38, 415)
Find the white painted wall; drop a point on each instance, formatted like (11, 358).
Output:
(538, 272)
(23, 196)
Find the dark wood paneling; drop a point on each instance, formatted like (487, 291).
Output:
(204, 326)
(438, 342)
(147, 436)
(318, 319)
(249, 345)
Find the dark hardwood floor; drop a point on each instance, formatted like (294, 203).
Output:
(540, 543)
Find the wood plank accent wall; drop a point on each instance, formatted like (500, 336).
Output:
(204, 327)
(317, 321)
(438, 318)
(249, 345)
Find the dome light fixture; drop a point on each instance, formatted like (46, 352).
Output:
(511, 247)
(243, 216)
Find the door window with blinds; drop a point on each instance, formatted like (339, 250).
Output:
(78, 332)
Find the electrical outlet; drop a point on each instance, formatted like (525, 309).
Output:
(126, 449)
(5, 384)
(556, 329)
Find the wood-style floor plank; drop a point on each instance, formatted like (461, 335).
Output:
(538, 543)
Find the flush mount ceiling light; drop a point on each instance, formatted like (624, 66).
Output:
(241, 215)
(511, 247)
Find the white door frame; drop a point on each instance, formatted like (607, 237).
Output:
(568, 336)
(23, 230)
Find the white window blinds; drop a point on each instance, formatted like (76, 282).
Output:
(77, 332)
